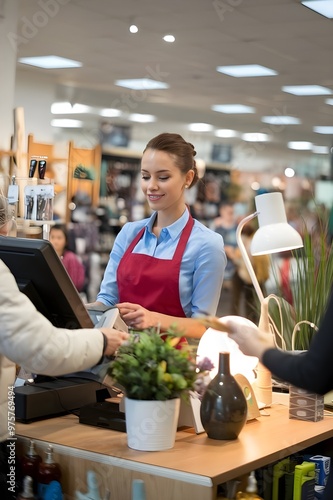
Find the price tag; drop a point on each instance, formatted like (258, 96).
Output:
(13, 193)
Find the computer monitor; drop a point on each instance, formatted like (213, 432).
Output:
(41, 276)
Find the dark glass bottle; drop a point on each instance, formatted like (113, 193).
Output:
(49, 470)
(223, 409)
(30, 464)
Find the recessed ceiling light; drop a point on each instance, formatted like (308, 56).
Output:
(321, 150)
(200, 127)
(50, 62)
(323, 130)
(110, 112)
(233, 108)
(141, 84)
(300, 145)
(255, 137)
(281, 120)
(169, 38)
(307, 90)
(246, 70)
(225, 132)
(323, 7)
(133, 28)
(66, 123)
(66, 108)
(141, 118)
(289, 172)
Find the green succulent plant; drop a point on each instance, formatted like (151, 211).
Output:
(149, 367)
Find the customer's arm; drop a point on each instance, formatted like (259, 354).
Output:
(30, 340)
(311, 370)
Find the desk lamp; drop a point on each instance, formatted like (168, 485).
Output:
(274, 235)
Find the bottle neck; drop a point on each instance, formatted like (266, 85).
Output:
(224, 363)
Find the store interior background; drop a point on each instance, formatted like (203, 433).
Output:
(282, 35)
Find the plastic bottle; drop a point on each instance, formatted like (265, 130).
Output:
(48, 471)
(251, 492)
(30, 464)
(27, 493)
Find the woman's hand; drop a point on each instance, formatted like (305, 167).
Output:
(136, 316)
(115, 338)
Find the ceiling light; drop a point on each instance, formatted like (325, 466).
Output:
(110, 112)
(255, 137)
(329, 101)
(66, 123)
(200, 127)
(281, 120)
(321, 150)
(306, 90)
(133, 28)
(66, 108)
(225, 132)
(246, 70)
(300, 145)
(141, 84)
(323, 130)
(289, 172)
(50, 62)
(141, 118)
(233, 108)
(323, 7)
(169, 38)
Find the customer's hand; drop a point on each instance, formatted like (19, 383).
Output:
(250, 339)
(136, 316)
(115, 338)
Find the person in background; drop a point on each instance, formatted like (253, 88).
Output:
(167, 269)
(73, 265)
(311, 370)
(29, 340)
(225, 225)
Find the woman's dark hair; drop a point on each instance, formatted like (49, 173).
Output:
(63, 229)
(183, 152)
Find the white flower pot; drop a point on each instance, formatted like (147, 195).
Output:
(151, 425)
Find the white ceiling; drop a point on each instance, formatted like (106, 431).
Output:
(280, 34)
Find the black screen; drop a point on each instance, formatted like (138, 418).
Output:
(41, 275)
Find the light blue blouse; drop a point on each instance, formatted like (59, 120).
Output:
(201, 271)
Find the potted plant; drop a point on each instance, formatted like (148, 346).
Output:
(154, 375)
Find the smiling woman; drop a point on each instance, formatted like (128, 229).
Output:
(167, 269)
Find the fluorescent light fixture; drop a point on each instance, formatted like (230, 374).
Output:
(110, 112)
(281, 120)
(225, 132)
(246, 70)
(323, 7)
(323, 130)
(289, 172)
(255, 137)
(141, 84)
(66, 108)
(306, 90)
(169, 38)
(200, 127)
(321, 150)
(50, 62)
(329, 101)
(66, 123)
(300, 145)
(141, 118)
(233, 108)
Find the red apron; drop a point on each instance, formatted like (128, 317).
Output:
(153, 283)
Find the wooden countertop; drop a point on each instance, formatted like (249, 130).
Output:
(261, 441)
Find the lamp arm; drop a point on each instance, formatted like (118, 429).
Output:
(245, 256)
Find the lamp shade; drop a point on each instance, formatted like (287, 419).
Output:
(274, 233)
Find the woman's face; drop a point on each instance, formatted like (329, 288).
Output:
(162, 182)
(58, 240)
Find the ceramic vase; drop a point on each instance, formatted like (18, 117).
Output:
(223, 410)
(151, 425)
